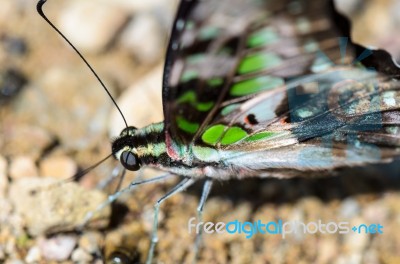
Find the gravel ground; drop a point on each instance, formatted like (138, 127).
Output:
(58, 121)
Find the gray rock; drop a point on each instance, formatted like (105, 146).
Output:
(81, 256)
(23, 166)
(47, 207)
(33, 255)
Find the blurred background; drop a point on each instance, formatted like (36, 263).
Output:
(55, 120)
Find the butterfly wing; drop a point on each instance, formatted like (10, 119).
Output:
(262, 81)
(334, 121)
(203, 53)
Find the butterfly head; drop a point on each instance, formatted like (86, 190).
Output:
(125, 150)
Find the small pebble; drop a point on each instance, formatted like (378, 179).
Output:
(46, 206)
(60, 167)
(57, 248)
(23, 166)
(33, 255)
(81, 256)
(10, 245)
(90, 242)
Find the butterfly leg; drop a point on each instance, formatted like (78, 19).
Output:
(113, 197)
(206, 191)
(121, 179)
(114, 174)
(181, 186)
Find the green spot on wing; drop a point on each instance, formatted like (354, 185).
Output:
(262, 38)
(258, 61)
(233, 135)
(195, 58)
(208, 33)
(204, 107)
(212, 135)
(261, 135)
(256, 85)
(186, 125)
(205, 154)
(190, 97)
(229, 136)
(214, 82)
(189, 75)
(225, 51)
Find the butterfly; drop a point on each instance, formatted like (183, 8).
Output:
(266, 89)
(263, 88)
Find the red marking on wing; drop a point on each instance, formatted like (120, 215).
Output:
(246, 120)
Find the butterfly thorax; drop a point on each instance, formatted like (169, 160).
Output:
(147, 147)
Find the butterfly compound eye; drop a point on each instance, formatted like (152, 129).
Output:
(126, 130)
(130, 161)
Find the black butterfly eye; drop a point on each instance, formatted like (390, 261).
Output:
(130, 161)
(126, 130)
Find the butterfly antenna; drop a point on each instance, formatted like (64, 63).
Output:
(39, 8)
(75, 177)
(82, 173)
